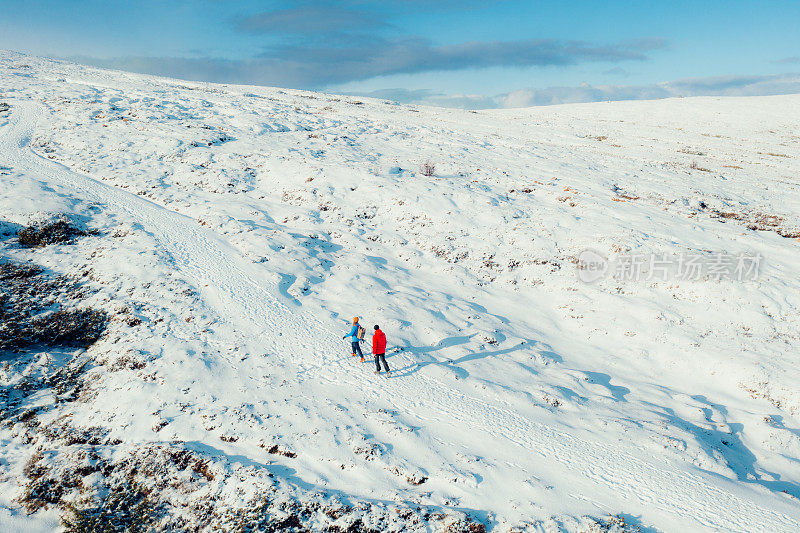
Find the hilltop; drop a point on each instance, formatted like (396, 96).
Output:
(224, 237)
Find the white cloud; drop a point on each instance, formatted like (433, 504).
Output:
(711, 86)
(347, 59)
(428, 97)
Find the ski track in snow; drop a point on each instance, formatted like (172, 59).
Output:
(619, 475)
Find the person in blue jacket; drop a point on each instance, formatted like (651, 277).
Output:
(354, 339)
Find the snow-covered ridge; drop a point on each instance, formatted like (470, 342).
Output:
(252, 223)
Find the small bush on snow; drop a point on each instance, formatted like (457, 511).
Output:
(58, 230)
(695, 166)
(127, 507)
(27, 297)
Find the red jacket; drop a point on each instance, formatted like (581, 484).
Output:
(378, 342)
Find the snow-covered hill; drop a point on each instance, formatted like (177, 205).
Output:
(237, 231)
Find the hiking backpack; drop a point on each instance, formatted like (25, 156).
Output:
(361, 332)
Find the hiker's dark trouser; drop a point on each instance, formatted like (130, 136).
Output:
(357, 349)
(379, 357)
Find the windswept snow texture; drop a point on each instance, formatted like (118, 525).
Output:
(258, 222)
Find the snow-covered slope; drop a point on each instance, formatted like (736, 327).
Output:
(241, 228)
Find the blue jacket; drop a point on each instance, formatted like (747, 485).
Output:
(353, 333)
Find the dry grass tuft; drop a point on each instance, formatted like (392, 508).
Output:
(59, 230)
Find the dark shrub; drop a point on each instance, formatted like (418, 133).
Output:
(126, 507)
(27, 297)
(73, 327)
(59, 230)
(16, 271)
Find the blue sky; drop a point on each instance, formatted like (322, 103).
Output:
(468, 53)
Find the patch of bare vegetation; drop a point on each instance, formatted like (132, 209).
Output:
(215, 139)
(759, 222)
(621, 194)
(31, 311)
(278, 450)
(617, 523)
(99, 489)
(120, 499)
(126, 507)
(696, 166)
(57, 230)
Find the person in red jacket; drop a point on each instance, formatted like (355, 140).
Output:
(379, 350)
